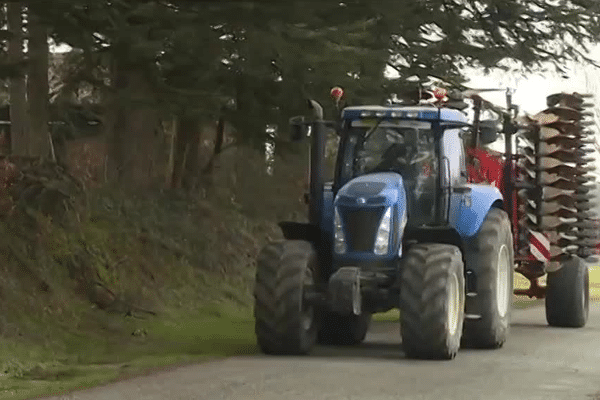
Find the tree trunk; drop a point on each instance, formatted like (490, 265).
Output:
(131, 127)
(179, 152)
(185, 153)
(191, 170)
(19, 140)
(37, 85)
(218, 147)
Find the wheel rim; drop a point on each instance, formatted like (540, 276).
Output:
(502, 279)
(307, 312)
(453, 305)
(585, 292)
(583, 299)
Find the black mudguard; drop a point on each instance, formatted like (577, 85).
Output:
(319, 239)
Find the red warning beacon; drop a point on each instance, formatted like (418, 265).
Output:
(337, 93)
(440, 93)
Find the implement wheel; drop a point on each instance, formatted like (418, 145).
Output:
(568, 295)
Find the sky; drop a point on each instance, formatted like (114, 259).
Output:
(530, 90)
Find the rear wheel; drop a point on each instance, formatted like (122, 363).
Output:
(568, 295)
(284, 323)
(493, 264)
(336, 329)
(432, 298)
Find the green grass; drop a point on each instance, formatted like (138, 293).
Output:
(138, 347)
(190, 258)
(190, 262)
(391, 316)
(595, 283)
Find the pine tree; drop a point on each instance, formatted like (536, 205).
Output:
(265, 58)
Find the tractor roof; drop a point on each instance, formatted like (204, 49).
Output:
(426, 113)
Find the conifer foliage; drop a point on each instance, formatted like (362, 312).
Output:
(254, 63)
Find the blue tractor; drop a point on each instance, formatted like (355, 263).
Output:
(399, 227)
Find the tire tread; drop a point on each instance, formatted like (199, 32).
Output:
(423, 300)
(278, 291)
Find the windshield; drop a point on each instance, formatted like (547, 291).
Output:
(406, 147)
(392, 146)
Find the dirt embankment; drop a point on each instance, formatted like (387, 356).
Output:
(97, 284)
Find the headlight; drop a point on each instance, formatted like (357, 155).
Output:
(340, 240)
(382, 240)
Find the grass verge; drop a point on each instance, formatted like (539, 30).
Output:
(130, 285)
(74, 281)
(134, 347)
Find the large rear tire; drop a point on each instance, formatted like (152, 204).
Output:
(284, 323)
(493, 263)
(344, 330)
(432, 299)
(568, 295)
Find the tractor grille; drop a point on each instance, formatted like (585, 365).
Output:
(360, 226)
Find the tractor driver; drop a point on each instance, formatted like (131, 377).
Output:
(395, 156)
(390, 149)
(408, 151)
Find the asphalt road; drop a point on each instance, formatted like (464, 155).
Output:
(537, 362)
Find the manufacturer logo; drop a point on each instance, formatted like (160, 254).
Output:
(361, 200)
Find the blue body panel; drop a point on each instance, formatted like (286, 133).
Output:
(467, 217)
(376, 190)
(390, 185)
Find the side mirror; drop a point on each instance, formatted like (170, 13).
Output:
(298, 128)
(488, 132)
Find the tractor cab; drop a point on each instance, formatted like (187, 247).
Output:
(422, 145)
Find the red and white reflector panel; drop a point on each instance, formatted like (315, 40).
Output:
(539, 245)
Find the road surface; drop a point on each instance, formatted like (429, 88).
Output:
(537, 362)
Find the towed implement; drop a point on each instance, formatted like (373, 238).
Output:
(422, 218)
(556, 227)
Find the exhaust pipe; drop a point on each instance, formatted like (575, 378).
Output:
(317, 164)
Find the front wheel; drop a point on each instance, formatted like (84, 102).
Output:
(432, 298)
(568, 295)
(284, 323)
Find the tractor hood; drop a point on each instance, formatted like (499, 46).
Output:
(370, 216)
(378, 189)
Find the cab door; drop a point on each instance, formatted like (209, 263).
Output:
(455, 159)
